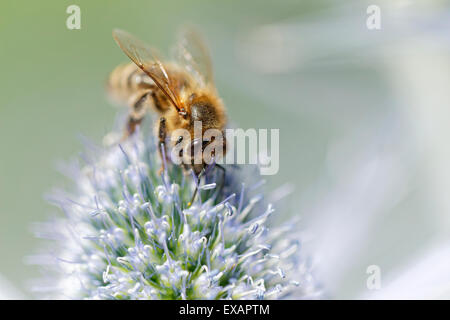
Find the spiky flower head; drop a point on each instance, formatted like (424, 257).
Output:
(128, 233)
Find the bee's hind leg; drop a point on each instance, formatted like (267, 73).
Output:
(131, 126)
(138, 103)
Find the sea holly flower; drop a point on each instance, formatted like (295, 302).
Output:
(128, 232)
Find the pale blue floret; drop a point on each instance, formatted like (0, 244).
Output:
(128, 233)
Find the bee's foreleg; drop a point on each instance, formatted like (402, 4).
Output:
(162, 134)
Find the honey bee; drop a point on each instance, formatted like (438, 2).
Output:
(181, 92)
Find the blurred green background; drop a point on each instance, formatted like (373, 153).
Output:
(353, 107)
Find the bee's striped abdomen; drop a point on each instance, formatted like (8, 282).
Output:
(125, 81)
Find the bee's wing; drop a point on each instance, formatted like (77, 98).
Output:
(146, 58)
(192, 53)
